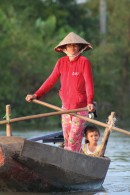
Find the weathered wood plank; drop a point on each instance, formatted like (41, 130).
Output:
(37, 167)
(62, 167)
(106, 134)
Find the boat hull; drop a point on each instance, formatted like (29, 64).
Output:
(29, 166)
(65, 169)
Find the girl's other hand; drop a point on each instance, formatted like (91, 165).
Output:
(91, 107)
(30, 97)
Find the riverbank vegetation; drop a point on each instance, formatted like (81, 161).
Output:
(29, 31)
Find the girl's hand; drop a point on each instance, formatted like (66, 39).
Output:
(90, 107)
(30, 97)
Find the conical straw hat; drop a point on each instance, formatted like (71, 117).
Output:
(73, 38)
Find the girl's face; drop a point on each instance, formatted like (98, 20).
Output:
(92, 137)
(72, 48)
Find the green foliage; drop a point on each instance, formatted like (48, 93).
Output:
(111, 62)
(29, 30)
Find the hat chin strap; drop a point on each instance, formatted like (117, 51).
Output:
(74, 55)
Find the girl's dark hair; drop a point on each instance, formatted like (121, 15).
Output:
(62, 47)
(90, 128)
(81, 46)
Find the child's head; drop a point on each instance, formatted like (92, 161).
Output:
(92, 133)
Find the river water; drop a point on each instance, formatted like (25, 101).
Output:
(117, 181)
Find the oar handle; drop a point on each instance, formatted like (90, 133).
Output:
(56, 107)
(77, 115)
(82, 117)
(47, 104)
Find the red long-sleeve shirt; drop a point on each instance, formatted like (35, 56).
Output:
(77, 87)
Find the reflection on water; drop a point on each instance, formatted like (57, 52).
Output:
(118, 177)
(117, 181)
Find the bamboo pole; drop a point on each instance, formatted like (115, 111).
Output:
(82, 117)
(106, 134)
(8, 125)
(40, 116)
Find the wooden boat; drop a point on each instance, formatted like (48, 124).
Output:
(30, 166)
(33, 165)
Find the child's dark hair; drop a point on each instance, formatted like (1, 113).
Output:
(90, 128)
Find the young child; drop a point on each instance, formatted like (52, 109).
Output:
(91, 146)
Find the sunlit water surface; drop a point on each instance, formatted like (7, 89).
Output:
(117, 181)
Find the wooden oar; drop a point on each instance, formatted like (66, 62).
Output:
(40, 116)
(82, 117)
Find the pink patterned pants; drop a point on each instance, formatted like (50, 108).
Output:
(73, 128)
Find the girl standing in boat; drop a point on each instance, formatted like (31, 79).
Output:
(91, 146)
(77, 88)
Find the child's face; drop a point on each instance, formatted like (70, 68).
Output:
(92, 137)
(72, 48)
